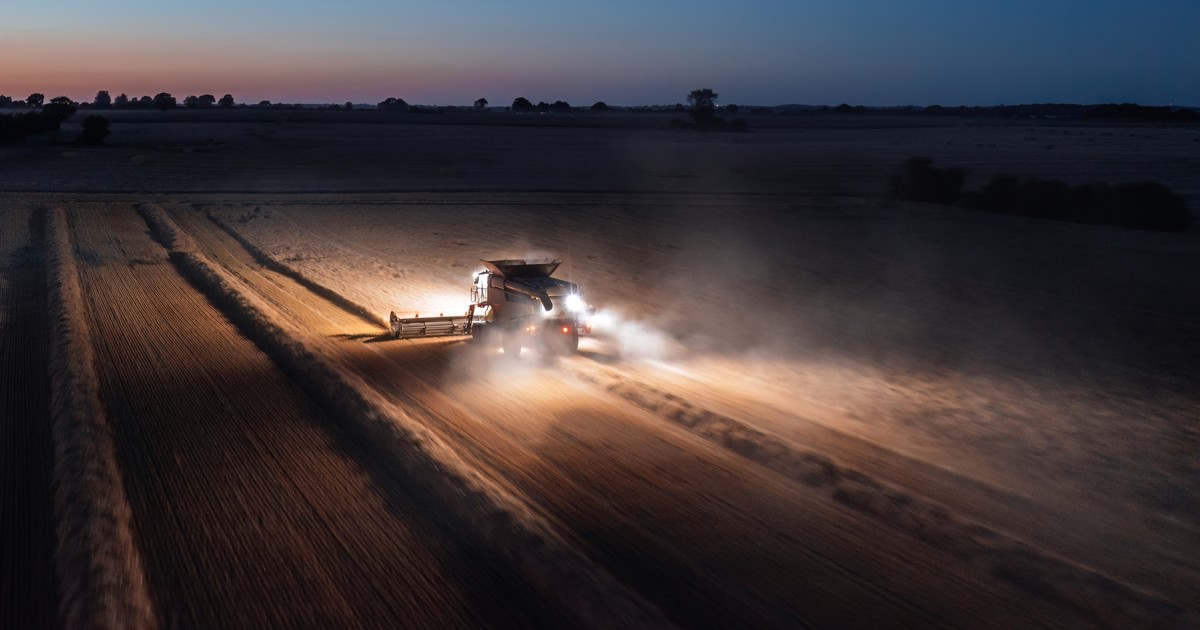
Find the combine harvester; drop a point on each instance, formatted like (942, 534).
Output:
(515, 304)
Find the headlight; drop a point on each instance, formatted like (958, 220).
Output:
(575, 303)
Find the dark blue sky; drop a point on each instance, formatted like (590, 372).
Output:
(872, 52)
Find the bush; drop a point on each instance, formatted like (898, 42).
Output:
(1139, 205)
(13, 127)
(95, 130)
(922, 182)
(1149, 206)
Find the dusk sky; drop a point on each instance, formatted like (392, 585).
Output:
(870, 52)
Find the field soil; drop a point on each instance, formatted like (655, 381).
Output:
(804, 405)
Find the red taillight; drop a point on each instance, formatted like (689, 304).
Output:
(566, 330)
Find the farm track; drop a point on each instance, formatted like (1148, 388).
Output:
(28, 587)
(701, 532)
(252, 507)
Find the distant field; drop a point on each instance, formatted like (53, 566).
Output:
(815, 406)
(821, 154)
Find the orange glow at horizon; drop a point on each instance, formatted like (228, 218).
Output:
(76, 68)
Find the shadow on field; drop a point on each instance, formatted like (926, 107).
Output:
(370, 338)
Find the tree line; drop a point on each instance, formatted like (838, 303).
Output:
(103, 100)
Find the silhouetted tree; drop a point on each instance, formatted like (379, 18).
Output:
(102, 100)
(36, 99)
(922, 182)
(60, 107)
(206, 101)
(226, 101)
(5, 101)
(599, 106)
(561, 106)
(349, 105)
(191, 102)
(122, 101)
(164, 101)
(145, 102)
(480, 103)
(95, 130)
(703, 102)
(393, 104)
(264, 103)
(521, 104)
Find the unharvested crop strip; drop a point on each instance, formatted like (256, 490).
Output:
(557, 570)
(101, 580)
(1007, 558)
(271, 263)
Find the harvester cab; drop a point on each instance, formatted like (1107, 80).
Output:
(515, 303)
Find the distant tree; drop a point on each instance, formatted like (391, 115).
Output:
(264, 103)
(207, 101)
(121, 102)
(146, 102)
(5, 101)
(844, 108)
(165, 101)
(480, 103)
(393, 104)
(103, 100)
(703, 102)
(599, 106)
(543, 106)
(349, 105)
(226, 101)
(36, 99)
(561, 106)
(521, 104)
(95, 130)
(60, 106)
(191, 102)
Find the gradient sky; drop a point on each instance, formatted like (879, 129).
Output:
(870, 52)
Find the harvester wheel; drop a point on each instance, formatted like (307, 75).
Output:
(512, 344)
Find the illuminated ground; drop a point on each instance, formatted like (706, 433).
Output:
(814, 410)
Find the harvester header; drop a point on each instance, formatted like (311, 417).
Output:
(514, 301)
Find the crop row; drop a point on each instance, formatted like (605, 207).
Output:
(101, 580)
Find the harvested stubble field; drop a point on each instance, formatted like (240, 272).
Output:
(819, 409)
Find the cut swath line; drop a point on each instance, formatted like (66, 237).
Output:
(101, 580)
